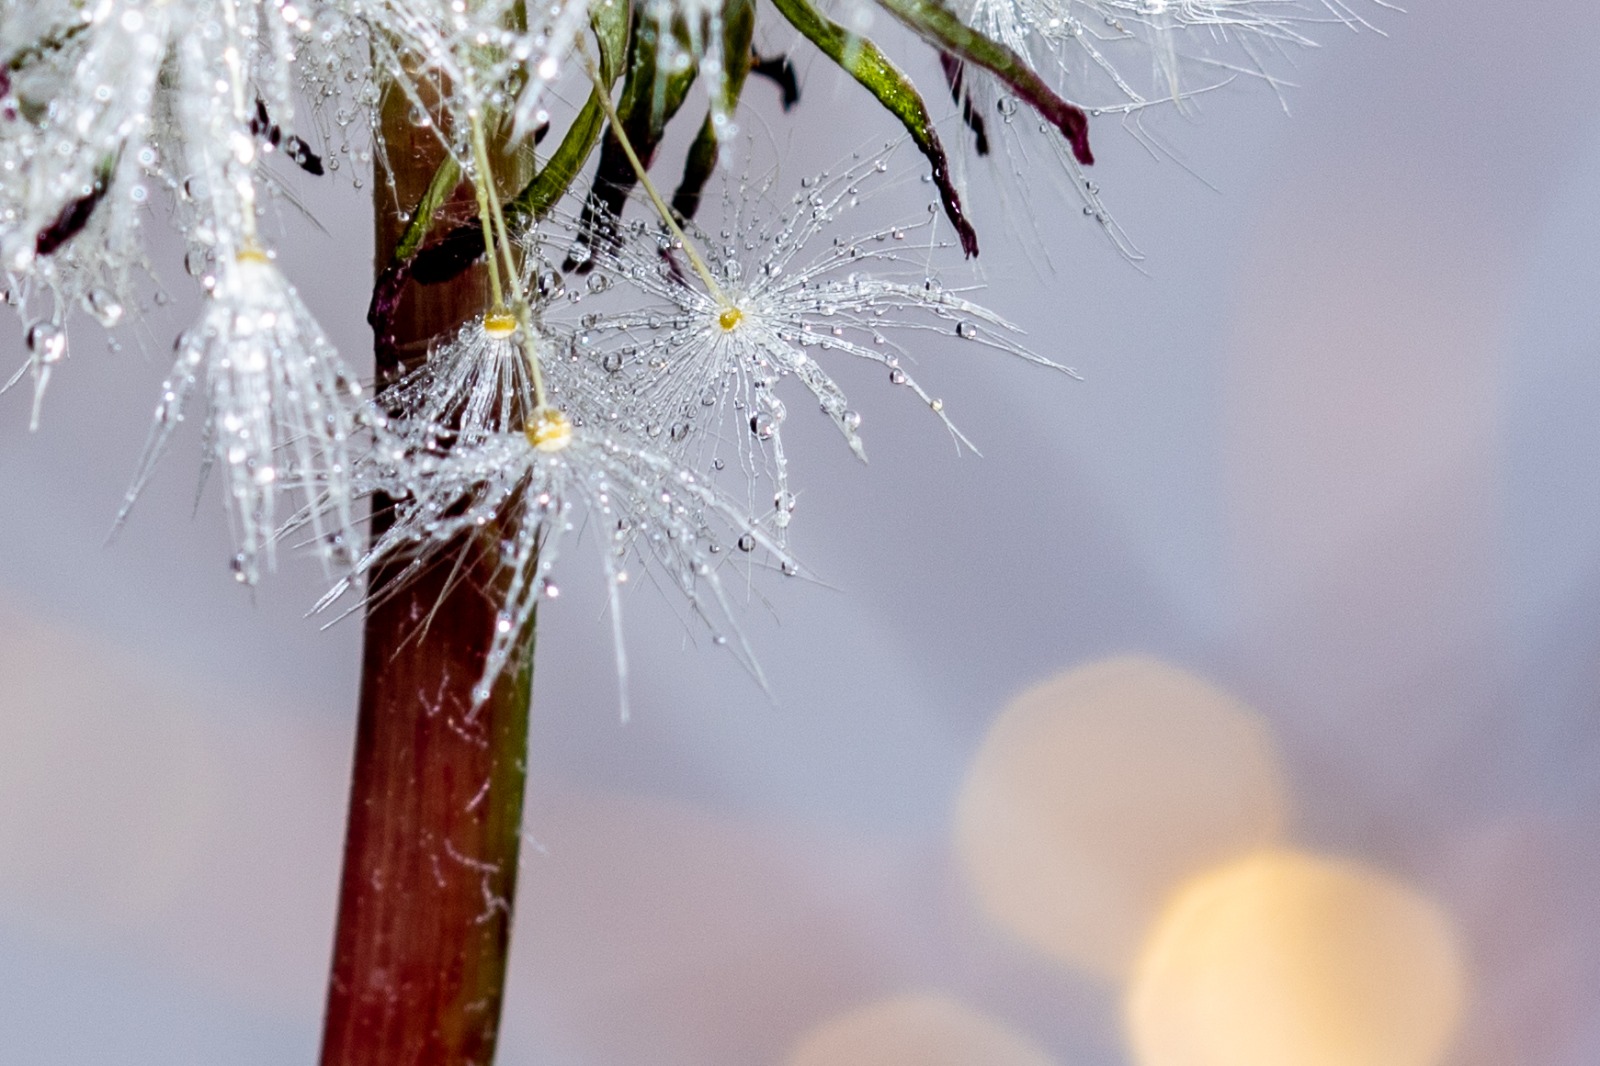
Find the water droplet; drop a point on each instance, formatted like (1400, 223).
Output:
(747, 542)
(47, 341)
(103, 306)
(766, 421)
(611, 362)
(897, 376)
(966, 330)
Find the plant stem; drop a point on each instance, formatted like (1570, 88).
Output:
(430, 865)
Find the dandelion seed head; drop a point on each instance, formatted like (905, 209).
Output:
(549, 430)
(787, 307)
(280, 413)
(499, 325)
(651, 398)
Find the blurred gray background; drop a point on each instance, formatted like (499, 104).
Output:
(1335, 452)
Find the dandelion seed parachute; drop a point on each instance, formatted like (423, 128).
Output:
(528, 487)
(101, 100)
(476, 385)
(281, 414)
(643, 392)
(100, 103)
(77, 92)
(692, 357)
(1123, 58)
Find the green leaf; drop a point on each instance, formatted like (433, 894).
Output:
(612, 21)
(440, 186)
(738, 28)
(558, 173)
(865, 62)
(650, 99)
(937, 24)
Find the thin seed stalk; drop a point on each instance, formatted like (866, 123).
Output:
(643, 174)
(430, 866)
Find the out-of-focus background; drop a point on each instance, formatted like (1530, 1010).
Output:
(1242, 705)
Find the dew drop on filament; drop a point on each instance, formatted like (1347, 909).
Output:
(47, 341)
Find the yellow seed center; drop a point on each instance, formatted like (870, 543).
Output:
(730, 318)
(499, 324)
(250, 253)
(549, 430)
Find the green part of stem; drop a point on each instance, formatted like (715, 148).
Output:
(444, 182)
(612, 21)
(940, 26)
(738, 29)
(613, 24)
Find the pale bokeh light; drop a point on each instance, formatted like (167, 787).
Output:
(137, 819)
(920, 1030)
(1097, 792)
(1284, 957)
(107, 786)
